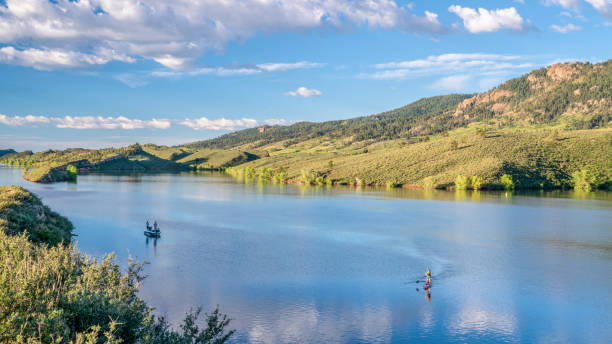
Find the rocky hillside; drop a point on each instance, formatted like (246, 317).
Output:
(567, 96)
(572, 95)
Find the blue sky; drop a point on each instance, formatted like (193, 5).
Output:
(97, 73)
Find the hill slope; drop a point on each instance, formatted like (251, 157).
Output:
(527, 127)
(22, 211)
(539, 128)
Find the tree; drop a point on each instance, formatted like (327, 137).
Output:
(583, 180)
(476, 182)
(72, 172)
(461, 182)
(507, 182)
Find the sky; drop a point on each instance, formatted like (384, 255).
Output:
(102, 73)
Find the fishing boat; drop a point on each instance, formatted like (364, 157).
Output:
(154, 232)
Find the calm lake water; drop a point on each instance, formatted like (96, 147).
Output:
(314, 265)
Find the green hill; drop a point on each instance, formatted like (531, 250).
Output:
(22, 211)
(540, 128)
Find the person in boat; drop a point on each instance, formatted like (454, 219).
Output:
(148, 225)
(428, 277)
(155, 225)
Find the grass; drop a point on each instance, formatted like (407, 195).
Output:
(22, 211)
(529, 156)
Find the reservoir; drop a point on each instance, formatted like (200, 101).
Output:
(302, 264)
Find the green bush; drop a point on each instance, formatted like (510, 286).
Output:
(392, 184)
(507, 183)
(72, 172)
(55, 294)
(461, 182)
(583, 180)
(476, 182)
(58, 295)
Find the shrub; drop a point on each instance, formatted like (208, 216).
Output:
(281, 177)
(392, 184)
(476, 182)
(55, 294)
(507, 183)
(454, 145)
(429, 182)
(71, 170)
(461, 182)
(249, 172)
(583, 180)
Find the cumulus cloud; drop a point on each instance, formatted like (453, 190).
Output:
(47, 59)
(566, 28)
(483, 20)
(99, 122)
(86, 122)
(204, 123)
(447, 63)
(604, 7)
(175, 34)
(125, 123)
(23, 120)
(452, 83)
(304, 92)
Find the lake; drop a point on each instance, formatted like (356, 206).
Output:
(317, 264)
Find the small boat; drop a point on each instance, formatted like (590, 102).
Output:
(154, 232)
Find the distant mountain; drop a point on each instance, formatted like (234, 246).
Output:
(571, 95)
(7, 151)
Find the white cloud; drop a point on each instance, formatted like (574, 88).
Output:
(452, 83)
(47, 59)
(233, 70)
(23, 120)
(569, 4)
(125, 123)
(219, 124)
(175, 34)
(485, 20)
(304, 92)
(566, 28)
(604, 7)
(273, 67)
(86, 122)
(448, 63)
(99, 122)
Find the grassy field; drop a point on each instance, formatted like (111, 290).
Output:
(534, 159)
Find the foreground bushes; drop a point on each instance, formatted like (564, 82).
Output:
(55, 294)
(58, 295)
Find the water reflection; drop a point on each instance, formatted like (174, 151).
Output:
(316, 264)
